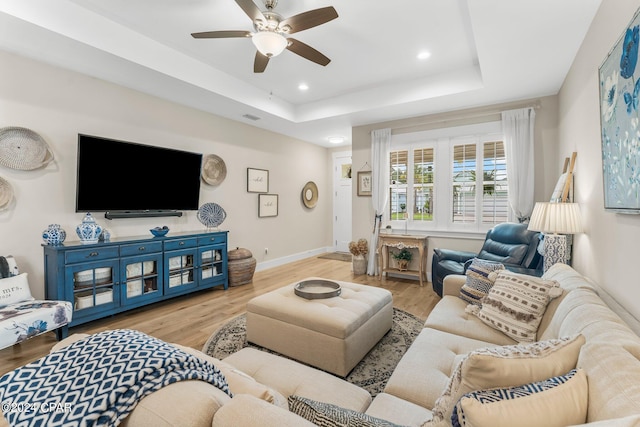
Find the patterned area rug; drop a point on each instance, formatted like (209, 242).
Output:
(372, 373)
(339, 256)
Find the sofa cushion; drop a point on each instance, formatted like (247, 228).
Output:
(14, 289)
(399, 411)
(481, 274)
(516, 303)
(292, 378)
(247, 411)
(508, 366)
(328, 415)
(434, 354)
(449, 315)
(27, 319)
(556, 402)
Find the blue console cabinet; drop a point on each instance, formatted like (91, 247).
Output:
(121, 274)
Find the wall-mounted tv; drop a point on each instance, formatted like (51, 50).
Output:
(127, 179)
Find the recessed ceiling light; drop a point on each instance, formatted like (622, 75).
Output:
(424, 55)
(336, 139)
(303, 86)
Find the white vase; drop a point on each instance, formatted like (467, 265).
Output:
(359, 264)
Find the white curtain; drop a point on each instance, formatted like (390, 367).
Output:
(517, 126)
(380, 146)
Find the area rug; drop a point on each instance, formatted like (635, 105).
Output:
(372, 373)
(339, 256)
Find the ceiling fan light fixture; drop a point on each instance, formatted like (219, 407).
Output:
(269, 43)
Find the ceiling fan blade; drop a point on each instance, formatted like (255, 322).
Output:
(260, 63)
(307, 52)
(308, 19)
(221, 34)
(251, 10)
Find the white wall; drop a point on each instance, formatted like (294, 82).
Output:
(59, 104)
(608, 251)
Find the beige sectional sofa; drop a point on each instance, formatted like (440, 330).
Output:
(607, 351)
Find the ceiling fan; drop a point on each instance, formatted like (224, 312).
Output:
(272, 30)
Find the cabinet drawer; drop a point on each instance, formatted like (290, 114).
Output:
(90, 254)
(140, 248)
(172, 244)
(208, 240)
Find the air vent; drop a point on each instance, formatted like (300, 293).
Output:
(251, 117)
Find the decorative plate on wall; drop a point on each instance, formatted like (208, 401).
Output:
(310, 194)
(214, 170)
(6, 193)
(23, 149)
(211, 215)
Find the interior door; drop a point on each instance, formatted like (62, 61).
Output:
(342, 201)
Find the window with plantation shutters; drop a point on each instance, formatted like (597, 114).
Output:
(455, 181)
(398, 188)
(463, 209)
(423, 184)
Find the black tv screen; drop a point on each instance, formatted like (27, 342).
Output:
(126, 176)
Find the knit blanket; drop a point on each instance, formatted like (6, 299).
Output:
(98, 380)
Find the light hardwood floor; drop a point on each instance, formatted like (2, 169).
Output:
(190, 320)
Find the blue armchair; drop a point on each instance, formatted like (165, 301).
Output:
(509, 243)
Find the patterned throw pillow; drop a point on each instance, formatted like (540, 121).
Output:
(14, 289)
(328, 415)
(516, 303)
(481, 274)
(506, 366)
(555, 402)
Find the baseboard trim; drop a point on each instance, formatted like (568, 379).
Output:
(265, 265)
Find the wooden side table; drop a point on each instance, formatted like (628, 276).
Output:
(400, 241)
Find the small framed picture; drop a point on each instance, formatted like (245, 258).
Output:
(257, 180)
(364, 183)
(267, 205)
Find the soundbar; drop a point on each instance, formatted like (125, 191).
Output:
(140, 214)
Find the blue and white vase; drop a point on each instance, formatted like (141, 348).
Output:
(89, 231)
(54, 235)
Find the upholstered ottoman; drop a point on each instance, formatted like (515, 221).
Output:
(332, 334)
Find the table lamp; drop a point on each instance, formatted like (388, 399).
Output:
(558, 221)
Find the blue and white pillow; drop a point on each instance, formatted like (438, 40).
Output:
(481, 275)
(557, 401)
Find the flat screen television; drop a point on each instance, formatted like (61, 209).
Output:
(127, 179)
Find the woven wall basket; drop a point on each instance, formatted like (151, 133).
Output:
(6, 193)
(23, 149)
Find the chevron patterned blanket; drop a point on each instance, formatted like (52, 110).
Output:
(98, 381)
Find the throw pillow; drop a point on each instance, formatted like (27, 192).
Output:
(15, 289)
(481, 274)
(555, 402)
(516, 303)
(507, 366)
(328, 415)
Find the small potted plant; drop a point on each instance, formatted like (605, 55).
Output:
(359, 250)
(403, 258)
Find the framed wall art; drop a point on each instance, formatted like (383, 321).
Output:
(364, 183)
(257, 180)
(619, 77)
(267, 205)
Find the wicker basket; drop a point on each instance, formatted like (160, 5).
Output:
(242, 265)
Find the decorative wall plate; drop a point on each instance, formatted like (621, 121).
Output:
(310, 194)
(23, 149)
(214, 170)
(6, 193)
(211, 215)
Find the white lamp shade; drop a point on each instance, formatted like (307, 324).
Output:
(269, 43)
(557, 218)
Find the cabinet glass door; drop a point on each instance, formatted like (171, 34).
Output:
(142, 277)
(94, 285)
(212, 265)
(179, 274)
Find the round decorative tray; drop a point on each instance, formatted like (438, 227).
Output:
(211, 215)
(214, 170)
(23, 149)
(316, 289)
